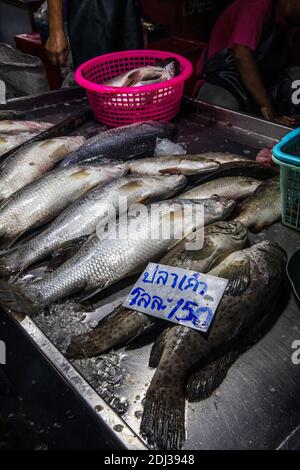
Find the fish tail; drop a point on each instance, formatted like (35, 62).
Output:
(18, 298)
(163, 421)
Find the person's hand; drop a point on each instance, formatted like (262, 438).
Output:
(269, 115)
(285, 121)
(57, 47)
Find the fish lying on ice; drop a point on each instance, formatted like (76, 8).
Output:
(134, 140)
(173, 164)
(232, 187)
(18, 127)
(263, 208)
(104, 261)
(45, 198)
(255, 276)
(220, 239)
(86, 214)
(27, 165)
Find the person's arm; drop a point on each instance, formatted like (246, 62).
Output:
(57, 44)
(250, 75)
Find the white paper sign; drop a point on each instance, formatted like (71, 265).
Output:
(180, 296)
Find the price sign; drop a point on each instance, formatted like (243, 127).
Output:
(180, 296)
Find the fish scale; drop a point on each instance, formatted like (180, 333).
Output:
(100, 263)
(220, 239)
(84, 216)
(254, 276)
(45, 198)
(26, 165)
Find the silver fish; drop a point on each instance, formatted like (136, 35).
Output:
(105, 261)
(170, 71)
(173, 164)
(88, 213)
(135, 76)
(232, 187)
(255, 277)
(223, 158)
(25, 166)
(19, 127)
(263, 208)
(9, 142)
(220, 239)
(45, 198)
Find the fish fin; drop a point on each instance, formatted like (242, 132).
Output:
(163, 420)
(89, 293)
(158, 348)
(16, 298)
(5, 242)
(204, 382)
(65, 252)
(238, 279)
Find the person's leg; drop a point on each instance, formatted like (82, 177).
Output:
(218, 96)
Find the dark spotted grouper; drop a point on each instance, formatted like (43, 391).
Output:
(255, 276)
(220, 239)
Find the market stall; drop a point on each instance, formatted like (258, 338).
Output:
(257, 405)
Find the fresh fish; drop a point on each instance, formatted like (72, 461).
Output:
(220, 239)
(104, 261)
(9, 142)
(26, 165)
(144, 76)
(245, 168)
(231, 187)
(255, 277)
(134, 76)
(170, 71)
(173, 164)
(88, 213)
(46, 197)
(19, 127)
(263, 208)
(125, 142)
(223, 157)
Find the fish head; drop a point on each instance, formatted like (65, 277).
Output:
(221, 207)
(235, 230)
(269, 258)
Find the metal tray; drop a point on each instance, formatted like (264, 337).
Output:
(258, 404)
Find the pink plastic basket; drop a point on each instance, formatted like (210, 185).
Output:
(119, 106)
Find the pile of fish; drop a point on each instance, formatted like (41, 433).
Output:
(70, 189)
(148, 75)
